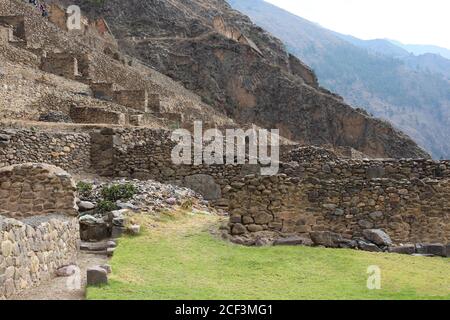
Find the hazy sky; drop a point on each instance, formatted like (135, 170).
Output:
(408, 21)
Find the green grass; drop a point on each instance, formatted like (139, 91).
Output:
(180, 259)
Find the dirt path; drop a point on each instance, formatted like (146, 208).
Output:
(57, 289)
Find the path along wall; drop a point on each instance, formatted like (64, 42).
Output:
(39, 229)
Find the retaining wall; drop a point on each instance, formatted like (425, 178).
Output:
(39, 228)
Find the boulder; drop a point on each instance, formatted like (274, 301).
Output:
(90, 220)
(367, 246)
(111, 244)
(85, 206)
(126, 206)
(107, 267)
(135, 229)
(96, 276)
(377, 236)
(66, 271)
(238, 229)
(326, 238)
(348, 244)
(171, 201)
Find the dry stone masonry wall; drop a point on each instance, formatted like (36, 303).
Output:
(68, 150)
(315, 192)
(33, 249)
(36, 189)
(39, 229)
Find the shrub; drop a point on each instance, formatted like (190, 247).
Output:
(105, 206)
(84, 188)
(119, 192)
(187, 204)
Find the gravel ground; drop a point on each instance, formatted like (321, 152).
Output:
(57, 289)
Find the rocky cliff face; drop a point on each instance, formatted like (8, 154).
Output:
(244, 72)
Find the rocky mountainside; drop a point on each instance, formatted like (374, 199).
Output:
(244, 72)
(378, 76)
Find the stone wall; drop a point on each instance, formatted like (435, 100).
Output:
(33, 249)
(96, 115)
(67, 65)
(69, 150)
(62, 64)
(36, 189)
(316, 191)
(154, 103)
(320, 192)
(135, 99)
(103, 91)
(4, 35)
(39, 228)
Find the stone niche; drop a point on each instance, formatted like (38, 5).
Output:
(31, 189)
(39, 228)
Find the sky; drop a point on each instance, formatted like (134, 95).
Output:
(408, 21)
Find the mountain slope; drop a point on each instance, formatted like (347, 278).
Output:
(244, 72)
(415, 101)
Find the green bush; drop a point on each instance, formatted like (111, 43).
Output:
(84, 188)
(119, 192)
(105, 206)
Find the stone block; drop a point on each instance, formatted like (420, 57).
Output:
(406, 249)
(97, 276)
(435, 249)
(293, 241)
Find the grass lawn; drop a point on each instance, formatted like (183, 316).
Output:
(177, 258)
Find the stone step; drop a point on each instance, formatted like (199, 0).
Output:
(97, 246)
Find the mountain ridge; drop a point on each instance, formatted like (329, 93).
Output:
(407, 92)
